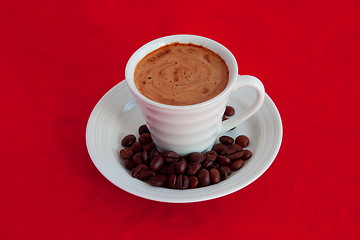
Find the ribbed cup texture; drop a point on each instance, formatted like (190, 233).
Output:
(184, 130)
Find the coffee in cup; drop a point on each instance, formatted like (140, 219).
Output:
(181, 74)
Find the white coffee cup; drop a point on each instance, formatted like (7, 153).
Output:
(192, 128)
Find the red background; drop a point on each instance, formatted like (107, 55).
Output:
(59, 57)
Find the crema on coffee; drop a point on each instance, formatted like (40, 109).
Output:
(181, 74)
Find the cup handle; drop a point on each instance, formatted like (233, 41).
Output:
(245, 81)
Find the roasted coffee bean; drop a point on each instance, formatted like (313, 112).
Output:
(128, 140)
(135, 172)
(210, 155)
(156, 181)
(186, 182)
(171, 156)
(172, 181)
(229, 111)
(226, 140)
(196, 157)
(145, 138)
(207, 164)
(180, 166)
(224, 171)
(228, 152)
(232, 153)
(126, 152)
(153, 153)
(137, 158)
(223, 160)
(242, 140)
(215, 165)
(182, 182)
(236, 155)
(143, 129)
(129, 164)
(237, 164)
(164, 169)
(219, 147)
(163, 178)
(193, 168)
(148, 147)
(193, 182)
(214, 175)
(204, 177)
(146, 174)
(157, 163)
(171, 169)
(227, 169)
(246, 154)
(145, 157)
(137, 147)
(236, 146)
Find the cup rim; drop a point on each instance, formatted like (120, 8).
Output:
(162, 41)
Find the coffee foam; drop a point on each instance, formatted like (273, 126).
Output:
(181, 74)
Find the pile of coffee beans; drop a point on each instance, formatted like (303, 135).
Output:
(168, 169)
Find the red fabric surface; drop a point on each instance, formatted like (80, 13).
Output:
(58, 58)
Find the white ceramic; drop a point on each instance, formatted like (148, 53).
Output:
(193, 128)
(117, 115)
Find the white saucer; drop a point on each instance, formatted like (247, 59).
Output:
(116, 115)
